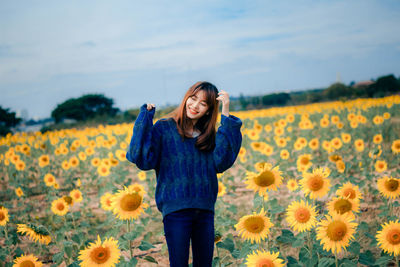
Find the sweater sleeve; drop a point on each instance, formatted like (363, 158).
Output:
(145, 145)
(227, 143)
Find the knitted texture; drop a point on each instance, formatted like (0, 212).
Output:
(186, 176)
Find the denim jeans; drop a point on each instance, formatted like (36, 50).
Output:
(187, 225)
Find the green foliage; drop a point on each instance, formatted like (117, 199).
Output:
(84, 107)
(7, 120)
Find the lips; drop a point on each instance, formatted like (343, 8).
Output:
(192, 112)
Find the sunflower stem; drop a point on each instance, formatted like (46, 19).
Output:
(219, 259)
(397, 260)
(336, 260)
(130, 241)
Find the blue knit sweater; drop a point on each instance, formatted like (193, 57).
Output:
(186, 176)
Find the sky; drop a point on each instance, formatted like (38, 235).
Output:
(138, 52)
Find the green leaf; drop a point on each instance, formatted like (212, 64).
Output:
(348, 263)
(354, 248)
(325, 262)
(133, 262)
(145, 245)
(150, 259)
(131, 235)
(58, 257)
(367, 258)
(286, 237)
(76, 239)
(383, 260)
(227, 244)
(74, 264)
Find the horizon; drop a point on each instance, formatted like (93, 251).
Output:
(136, 53)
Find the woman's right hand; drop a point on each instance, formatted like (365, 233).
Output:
(150, 106)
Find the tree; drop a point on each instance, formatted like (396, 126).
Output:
(278, 99)
(7, 120)
(383, 85)
(338, 90)
(84, 107)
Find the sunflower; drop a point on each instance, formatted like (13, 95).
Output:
(59, 207)
(137, 188)
(316, 184)
(259, 166)
(73, 162)
(76, 195)
(142, 175)
(221, 189)
(65, 165)
(336, 143)
(44, 160)
(261, 258)
(336, 231)
(49, 179)
(343, 205)
(82, 156)
(280, 142)
(304, 162)
(105, 201)
(377, 139)
(3, 216)
(103, 170)
(396, 146)
(292, 185)
(35, 233)
(389, 187)
(314, 143)
(19, 192)
(267, 179)
(348, 190)
(27, 260)
(254, 227)
(335, 158)
(253, 135)
(380, 166)
(69, 200)
(359, 144)
(284, 154)
(121, 154)
(257, 146)
(20, 165)
(301, 216)
(340, 166)
(346, 137)
(99, 253)
(95, 162)
(128, 204)
(389, 237)
(327, 146)
(242, 152)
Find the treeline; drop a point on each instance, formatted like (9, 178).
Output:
(383, 86)
(93, 109)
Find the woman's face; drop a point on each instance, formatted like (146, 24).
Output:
(196, 106)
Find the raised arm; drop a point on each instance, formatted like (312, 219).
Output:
(144, 148)
(227, 143)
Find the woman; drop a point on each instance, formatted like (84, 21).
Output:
(187, 153)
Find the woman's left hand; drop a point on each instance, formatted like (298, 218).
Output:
(223, 96)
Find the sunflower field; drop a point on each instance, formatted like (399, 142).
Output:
(313, 185)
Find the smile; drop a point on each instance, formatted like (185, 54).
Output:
(192, 111)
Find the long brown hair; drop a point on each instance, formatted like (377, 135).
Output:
(206, 124)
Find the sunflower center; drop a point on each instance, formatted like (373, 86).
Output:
(342, 206)
(266, 178)
(392, 185)
(108, 201)
(60, 206)
(336, 230)
(393, 236)
(302, 215)
(315, 183)
(27, 263)
(265, 263)
(304, 160)
(131, 202)
(100, 255)
(254, 224)
(350, 193)
(2, 216)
